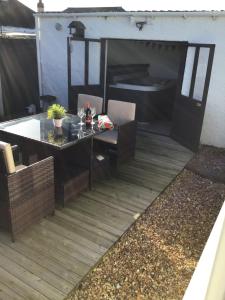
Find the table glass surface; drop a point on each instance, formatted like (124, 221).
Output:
(41, 129)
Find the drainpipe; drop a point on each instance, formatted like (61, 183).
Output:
(1, 100)
(151, 14)
(105, 74)
(39, 61)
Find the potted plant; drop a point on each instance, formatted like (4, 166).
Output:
(57, 113)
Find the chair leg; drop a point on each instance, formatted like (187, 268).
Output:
(114, 164)
(12, 237)
(11, 227)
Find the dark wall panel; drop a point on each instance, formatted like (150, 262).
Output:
(18, 67)
(15, 13)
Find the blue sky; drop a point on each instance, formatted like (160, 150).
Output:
(58, 5)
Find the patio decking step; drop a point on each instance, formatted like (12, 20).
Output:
(50, 258)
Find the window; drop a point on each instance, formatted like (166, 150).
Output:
(79, 71)
(195, 72)
(201, 73)
(77, 62)
(189, 64)
(94, 63)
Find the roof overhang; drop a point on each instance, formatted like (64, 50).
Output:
(149, 14)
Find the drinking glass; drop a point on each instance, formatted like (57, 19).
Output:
(80, 133)
(81, 114)
(93, 113)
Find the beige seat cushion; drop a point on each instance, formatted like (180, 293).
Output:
(20, 167)
(121, 112)
(8, 156)
(95, 101)
(110, 136)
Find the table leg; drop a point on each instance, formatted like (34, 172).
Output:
(91, 164)
(60, 171)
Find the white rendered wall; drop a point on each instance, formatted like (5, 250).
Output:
(207, 282)
(53, 55)
(1, 99)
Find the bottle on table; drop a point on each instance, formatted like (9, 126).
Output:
(88, 117)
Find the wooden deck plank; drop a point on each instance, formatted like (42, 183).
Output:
(149, 175)
(51, 261)
(130, 189)
(92, 221)
(153, 167)
(53, 241)
(91, 214)
(107, 218)
(96, 238)
(160, 160)
(103, 209)
(51, 257)
(108, 201)
(158, 142)
(123, 194)
(19, 287)
(81, 223)
(40, 271)
(129, 193)
(30, 279)
(143, 181)
(115, 202)
(79, 239)
(8, 294)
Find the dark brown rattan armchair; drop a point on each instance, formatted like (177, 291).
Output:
(121, 141)
(26, 192)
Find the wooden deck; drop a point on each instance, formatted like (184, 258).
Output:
(50, 258)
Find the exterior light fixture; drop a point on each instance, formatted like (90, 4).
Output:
(77, 29)
(58, 26)
(140, 25)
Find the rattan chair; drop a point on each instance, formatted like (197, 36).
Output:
(95, 101)
(46, 101)
(26, 192)
(121, 141)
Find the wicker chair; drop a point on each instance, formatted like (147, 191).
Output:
(95, 101)
(121, 141)
(26, 192)
(46, 101)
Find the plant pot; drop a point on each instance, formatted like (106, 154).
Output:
(58, 131)
(57, 122)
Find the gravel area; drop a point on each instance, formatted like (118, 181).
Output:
(209, 162)
(156, 257)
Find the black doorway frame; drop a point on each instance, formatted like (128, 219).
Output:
(73, 90)
(192, 106)
(104, 66)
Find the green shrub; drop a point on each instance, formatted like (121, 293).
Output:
(56, 111)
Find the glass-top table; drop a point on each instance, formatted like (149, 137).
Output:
(41, 129)
(71, 146)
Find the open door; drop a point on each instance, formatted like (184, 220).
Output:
(192, 91)
(86, 65)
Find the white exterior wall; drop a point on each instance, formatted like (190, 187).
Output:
(204, 29)
(207, 282)
(1, 99)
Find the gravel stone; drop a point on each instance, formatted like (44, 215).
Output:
(157, 256)
(209, 162)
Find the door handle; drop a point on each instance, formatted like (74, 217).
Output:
(197, 104)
